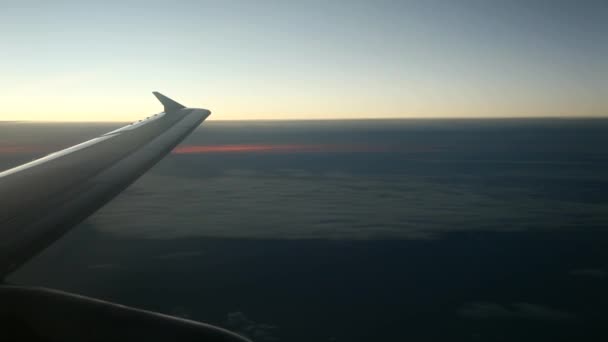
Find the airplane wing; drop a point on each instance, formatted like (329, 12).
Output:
(41, 200)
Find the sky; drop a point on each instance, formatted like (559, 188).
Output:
(100, 61)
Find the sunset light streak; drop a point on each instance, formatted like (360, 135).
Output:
(297, 148)
(274, 148)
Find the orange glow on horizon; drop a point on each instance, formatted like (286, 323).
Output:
(277, 148)
(297, 148)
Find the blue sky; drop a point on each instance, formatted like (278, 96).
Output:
(83, 61)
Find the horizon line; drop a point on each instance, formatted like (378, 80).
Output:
(556, 117)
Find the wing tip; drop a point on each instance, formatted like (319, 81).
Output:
(169, 104)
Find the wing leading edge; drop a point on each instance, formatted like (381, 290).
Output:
(41, 200)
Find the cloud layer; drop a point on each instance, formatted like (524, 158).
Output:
(298, 203)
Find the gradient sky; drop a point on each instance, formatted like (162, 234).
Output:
(99, 61)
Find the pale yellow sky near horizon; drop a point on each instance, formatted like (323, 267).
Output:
(100, 109)
(79, 104)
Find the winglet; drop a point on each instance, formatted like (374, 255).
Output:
(170, 105)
